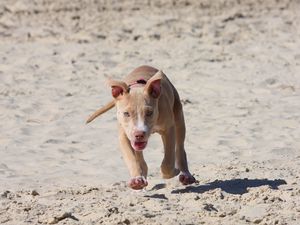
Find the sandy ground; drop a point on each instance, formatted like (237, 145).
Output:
(236, 67)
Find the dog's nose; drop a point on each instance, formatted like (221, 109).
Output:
(139, 135)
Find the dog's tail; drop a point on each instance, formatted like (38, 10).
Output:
(104, 109)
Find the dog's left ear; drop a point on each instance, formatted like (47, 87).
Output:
(153, 86)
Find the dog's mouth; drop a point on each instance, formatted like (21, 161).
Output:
(139, 145)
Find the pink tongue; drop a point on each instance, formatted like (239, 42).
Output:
(140, 145)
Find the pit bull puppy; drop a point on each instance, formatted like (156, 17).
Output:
(147, 102)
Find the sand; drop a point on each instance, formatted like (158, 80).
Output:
(236, 67)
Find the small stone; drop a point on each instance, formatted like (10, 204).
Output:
(101, 36)
(223, 214)
(247, 170)
(52, 221)
(137, 37)
(221, 196)
(57, 219)
(197, 198)
(34, 193)
(209, 207)
(148, 215)
(242, 217)
(270, 81)
(232, 212)
(257, 221)
(113, 210)
(126, 221)
(27, 209)
(156, 36)
(5, 194)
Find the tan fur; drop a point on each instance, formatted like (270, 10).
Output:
(143, 109)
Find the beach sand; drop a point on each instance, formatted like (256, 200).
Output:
(236, 67)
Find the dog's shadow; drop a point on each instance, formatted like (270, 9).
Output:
(235, 186)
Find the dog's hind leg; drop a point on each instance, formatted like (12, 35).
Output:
(181, 160)
(168, 169)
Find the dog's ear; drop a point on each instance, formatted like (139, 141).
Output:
(153, 86)
(118, 88)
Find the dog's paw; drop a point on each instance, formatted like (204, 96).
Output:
(137, 183)
(186, 178)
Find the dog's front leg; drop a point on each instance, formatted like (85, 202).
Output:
(135, 162)
(168, 169)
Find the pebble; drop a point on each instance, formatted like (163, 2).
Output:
(197, 198)
(126, 221)
(5, 194)
(34, 193)
(223, 214)
(57, 219)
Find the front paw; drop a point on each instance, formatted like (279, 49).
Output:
(138, 183)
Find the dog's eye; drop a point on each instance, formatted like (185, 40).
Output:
(149, 113)
(126, 114)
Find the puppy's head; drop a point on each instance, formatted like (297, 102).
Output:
(137, 109)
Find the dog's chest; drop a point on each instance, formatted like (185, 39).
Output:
(157, 129)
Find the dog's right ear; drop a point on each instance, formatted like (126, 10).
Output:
(118, 88)
(153, 86)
